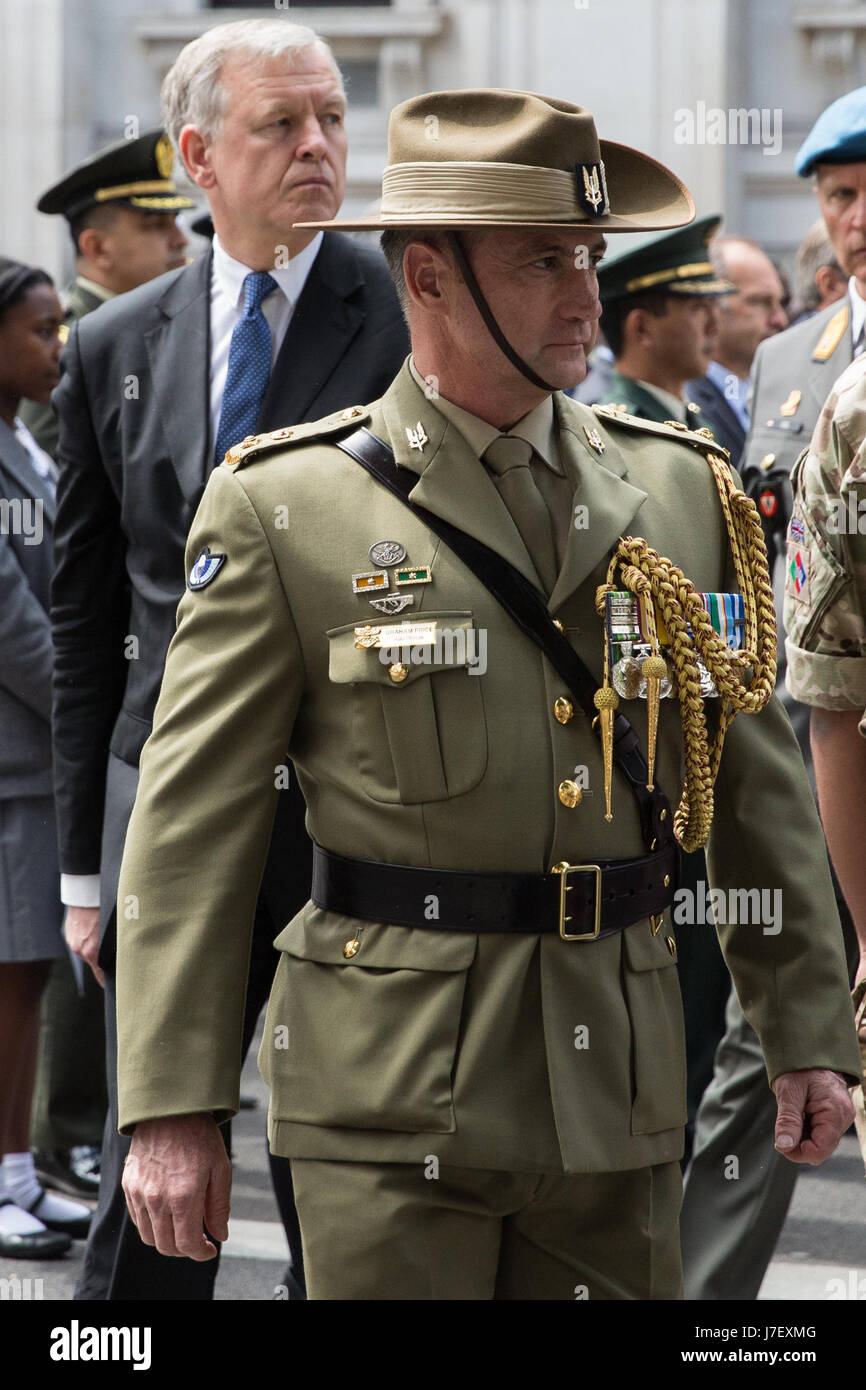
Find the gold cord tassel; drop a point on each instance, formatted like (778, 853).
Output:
(655, 671)
(606, 701)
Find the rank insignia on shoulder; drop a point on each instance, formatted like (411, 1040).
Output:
(207, 566)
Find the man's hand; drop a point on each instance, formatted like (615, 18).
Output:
(176, 1180)
(81, 929)
(815, 1110)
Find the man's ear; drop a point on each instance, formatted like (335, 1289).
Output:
(94, 246)
(195, 151)
(428, 274)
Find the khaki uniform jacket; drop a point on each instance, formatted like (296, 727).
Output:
(520, 1052)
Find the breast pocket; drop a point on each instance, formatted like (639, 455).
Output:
(419, 730)
(654, 1003)
(367, 1042)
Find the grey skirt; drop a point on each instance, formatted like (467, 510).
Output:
(31, 914)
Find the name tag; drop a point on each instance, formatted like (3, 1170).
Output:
(419, 634)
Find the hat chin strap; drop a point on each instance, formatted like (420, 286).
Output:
(484, 310)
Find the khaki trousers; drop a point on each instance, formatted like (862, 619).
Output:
(383, 1231)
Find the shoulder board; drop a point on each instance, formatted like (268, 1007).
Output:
(830, 338)
(671, 429)
(239, 455)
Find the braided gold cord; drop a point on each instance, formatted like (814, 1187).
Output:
(743, 679)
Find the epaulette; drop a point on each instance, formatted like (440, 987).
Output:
(239, 455)
(702, 439)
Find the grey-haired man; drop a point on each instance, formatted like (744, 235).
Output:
(156, 386)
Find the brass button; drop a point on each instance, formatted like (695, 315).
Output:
(767, 461)
(558, 624)
(672, 946)
(663, 814)
(570, 793)
(563, 710)
(352, 948)
(398, 672)
(667, 880)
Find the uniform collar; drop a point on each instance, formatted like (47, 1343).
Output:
(98, 291)
(537, 427)
(230, 274)
(670, 402)
(858, 314)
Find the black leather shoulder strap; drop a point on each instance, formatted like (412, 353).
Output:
(525, 605)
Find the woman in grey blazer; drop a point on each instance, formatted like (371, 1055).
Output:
(33, 1224)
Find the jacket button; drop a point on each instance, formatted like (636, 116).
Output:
(398, 672)
(563, 710)
(352, 948)
(557, 624)
(570, 793)
(767, 461)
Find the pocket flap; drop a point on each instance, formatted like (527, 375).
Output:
(455, 648)
(643, 951)
(320, 936)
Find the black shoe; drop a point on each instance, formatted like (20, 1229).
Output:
(76, 1226)
(75, 1172)
(34, 1245)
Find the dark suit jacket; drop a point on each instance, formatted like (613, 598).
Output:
(723, 420)
(26, 524)
(135, 453)
(624, 390)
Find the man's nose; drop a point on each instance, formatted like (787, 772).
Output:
(312, 143)
(858, 212)
(582, 300)
(179, 238)
(778, 319)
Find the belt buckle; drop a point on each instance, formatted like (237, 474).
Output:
(564, 869)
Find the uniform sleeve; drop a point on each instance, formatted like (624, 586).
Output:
(825, 576)
(201, 825)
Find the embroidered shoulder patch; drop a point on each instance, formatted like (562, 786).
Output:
(207, 566)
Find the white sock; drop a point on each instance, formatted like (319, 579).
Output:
(14, 1221)
(19, 1178)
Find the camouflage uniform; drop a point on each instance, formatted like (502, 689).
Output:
(825, 583)
(825, 586)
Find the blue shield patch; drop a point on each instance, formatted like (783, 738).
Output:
(206, 568)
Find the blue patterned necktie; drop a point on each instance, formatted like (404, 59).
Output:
(249, 366)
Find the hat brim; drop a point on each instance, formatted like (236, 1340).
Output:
(649, 197)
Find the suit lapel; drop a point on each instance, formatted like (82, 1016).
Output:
(320, 331)
(179, 352)
(452, 482)
(600, 487)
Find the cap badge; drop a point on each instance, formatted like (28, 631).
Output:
(592, 188)
(164, 156)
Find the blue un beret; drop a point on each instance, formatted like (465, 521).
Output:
(838, 136)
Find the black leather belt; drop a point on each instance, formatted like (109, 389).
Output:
(580, 901)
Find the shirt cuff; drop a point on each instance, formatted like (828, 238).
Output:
(79, 890)
(826, 680)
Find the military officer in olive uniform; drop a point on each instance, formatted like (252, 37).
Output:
(474, 1040)
(730, 1229)
(121, 205)
(659, 317)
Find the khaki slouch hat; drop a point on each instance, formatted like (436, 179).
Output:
(500, 158)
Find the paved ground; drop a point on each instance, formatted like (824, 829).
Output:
(821, 1253)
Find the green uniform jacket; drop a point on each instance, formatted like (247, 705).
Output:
(624, 390)
(795, 370)
(40, 419)
(519, 1052)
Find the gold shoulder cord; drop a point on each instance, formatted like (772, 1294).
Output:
(744, 679)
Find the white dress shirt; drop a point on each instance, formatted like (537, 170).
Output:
(226, 309)
(858, 316)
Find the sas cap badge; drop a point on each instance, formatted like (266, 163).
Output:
(591, 187)
(207, 566)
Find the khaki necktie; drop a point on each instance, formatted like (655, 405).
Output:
(509, 459)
